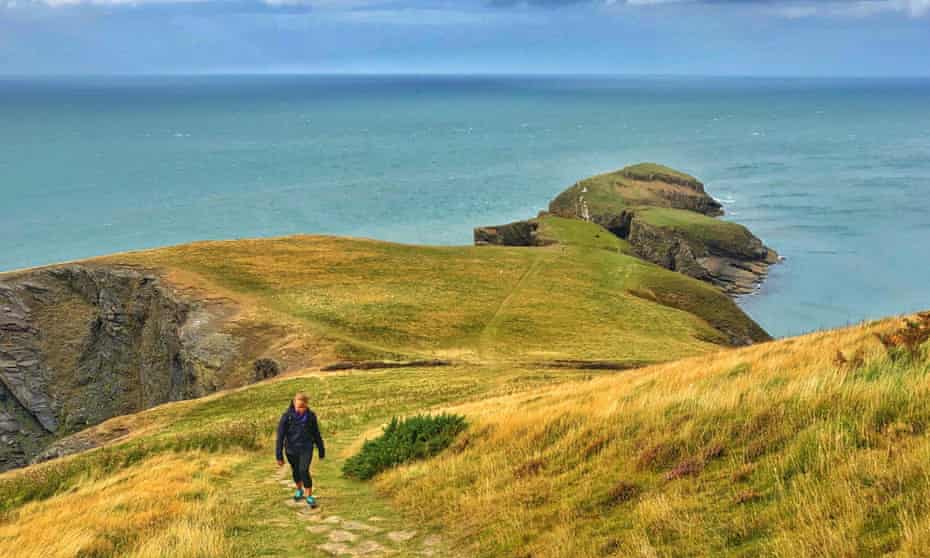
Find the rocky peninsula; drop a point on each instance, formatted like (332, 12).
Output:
(665, 216)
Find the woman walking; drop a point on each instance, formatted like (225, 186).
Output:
(298, 432)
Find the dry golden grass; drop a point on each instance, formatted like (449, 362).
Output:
(770, 450)
(166, 506)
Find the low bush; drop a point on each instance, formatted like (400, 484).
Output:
(402, 441)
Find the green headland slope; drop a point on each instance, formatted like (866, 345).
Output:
(665, 216)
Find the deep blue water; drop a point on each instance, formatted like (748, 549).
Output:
(834, 174)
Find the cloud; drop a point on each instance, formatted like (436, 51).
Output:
(855, 8)
(786, 8)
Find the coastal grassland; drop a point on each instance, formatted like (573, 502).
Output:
(608, 193)
(578, 233)
(677, 291)
(361, 299)
(196, 479)
(813, 446)
(718, 235)
(612, 193)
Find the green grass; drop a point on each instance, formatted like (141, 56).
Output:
(606, 194)
(609, 194)
(582, 234)
(368, 300)
(677, 291)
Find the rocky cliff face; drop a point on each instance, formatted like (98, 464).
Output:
(81, 343)
(681, 192)
(735, 269)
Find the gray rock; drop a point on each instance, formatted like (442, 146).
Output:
(265, 368)
(81, 343)
(519, 233)
(737, 269)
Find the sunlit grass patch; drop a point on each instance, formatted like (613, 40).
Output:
(165, 505)
(769, 450)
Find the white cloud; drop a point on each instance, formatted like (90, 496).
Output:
(859, 9)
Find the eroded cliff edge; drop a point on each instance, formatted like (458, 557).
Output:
(665, 216)
(82, 343)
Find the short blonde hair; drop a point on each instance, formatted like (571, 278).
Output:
(301, 396)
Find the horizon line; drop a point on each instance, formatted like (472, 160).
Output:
(413, 74)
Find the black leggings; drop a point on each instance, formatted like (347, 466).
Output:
(300, 467)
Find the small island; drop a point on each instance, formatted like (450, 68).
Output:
(664, 216)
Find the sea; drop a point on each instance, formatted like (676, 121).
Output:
(832, 173)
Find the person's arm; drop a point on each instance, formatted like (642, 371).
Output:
(279, 441)
(317, 437)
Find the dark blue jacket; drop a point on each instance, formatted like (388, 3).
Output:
(298, 434)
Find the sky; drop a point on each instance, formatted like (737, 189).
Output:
(666, 37)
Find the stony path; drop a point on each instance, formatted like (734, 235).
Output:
(352, 537)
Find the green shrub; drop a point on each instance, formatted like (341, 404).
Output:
(405, 440)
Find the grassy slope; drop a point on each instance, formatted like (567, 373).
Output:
(358, 299)
(576, 233)
(773, 450)
(628, 188)
(608, 193)
(770, 450)
(195, 478)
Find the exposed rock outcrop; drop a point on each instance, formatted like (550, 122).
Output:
(82, 343)
(266, 368)
(736, 268)
(680, 190)
(518, 233)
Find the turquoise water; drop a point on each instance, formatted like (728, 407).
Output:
(833, 174)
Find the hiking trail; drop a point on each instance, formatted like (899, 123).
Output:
(338, 536)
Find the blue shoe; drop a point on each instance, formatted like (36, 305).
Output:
(311, 501)
(298, 495)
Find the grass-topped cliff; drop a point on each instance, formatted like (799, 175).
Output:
(664, 216)
(606, 196)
